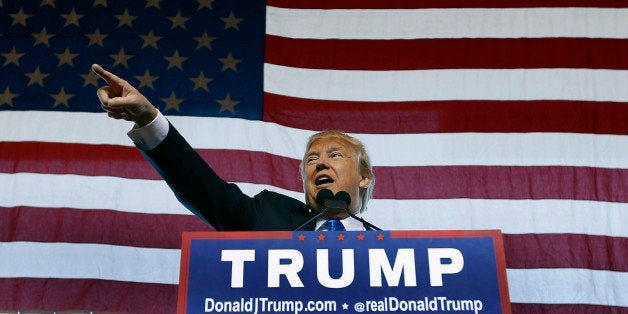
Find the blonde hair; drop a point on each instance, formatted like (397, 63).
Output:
(362, 157)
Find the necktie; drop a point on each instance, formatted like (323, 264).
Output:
(333, 225)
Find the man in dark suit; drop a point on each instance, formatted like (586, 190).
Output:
(333, 160)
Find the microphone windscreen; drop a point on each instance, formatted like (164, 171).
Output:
(343, 196)
(324, 194)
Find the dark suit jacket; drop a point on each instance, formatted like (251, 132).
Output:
(219, 203)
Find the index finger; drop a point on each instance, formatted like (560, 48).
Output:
(106, 75)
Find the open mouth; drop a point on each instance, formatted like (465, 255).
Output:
(322, 180)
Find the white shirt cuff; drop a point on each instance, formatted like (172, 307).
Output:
(150, 135)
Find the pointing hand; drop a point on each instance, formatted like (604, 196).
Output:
(123, 101)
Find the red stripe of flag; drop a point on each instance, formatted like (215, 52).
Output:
(420, 182)
(70, 158)
(132, 229)
(87, 294)
(466, 53)
(413, 4)
(564, 308)
(37, 224)
(129, 297)
(527, 251)
(503, 182)
(448, 116)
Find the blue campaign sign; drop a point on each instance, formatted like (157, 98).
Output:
(343, 272)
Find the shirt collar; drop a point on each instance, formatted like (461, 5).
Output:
(350, 224)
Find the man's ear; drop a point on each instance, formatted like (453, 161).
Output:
(365, 182)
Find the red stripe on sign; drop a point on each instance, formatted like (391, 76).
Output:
(51, 294)
(448, 116)
(413, 4)
(466, 53)
(426, 182)
(164, 231)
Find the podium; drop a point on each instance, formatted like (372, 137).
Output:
(343, 272)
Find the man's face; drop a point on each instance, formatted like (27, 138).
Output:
(332, 164)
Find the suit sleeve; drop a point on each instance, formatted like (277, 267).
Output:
(221, 204)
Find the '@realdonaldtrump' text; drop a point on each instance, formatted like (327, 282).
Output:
(433, 304)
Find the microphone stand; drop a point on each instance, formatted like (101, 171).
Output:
(311, 219)
(366, 224)
(342, 200)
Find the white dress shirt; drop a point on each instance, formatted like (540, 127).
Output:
(350, 224)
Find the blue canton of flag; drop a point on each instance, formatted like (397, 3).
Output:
(199, 58)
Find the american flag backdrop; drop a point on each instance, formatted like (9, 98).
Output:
(478, 114)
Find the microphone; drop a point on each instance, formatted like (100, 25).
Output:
(334, 202)
(321, 197)
(327, 200)
(344, 198)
